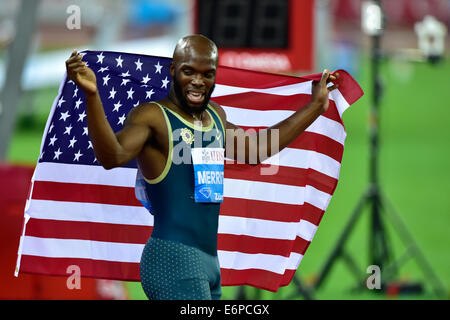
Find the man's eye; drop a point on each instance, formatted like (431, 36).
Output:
(209, 75)
(187, 72)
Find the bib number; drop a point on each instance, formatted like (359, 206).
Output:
(208, 174)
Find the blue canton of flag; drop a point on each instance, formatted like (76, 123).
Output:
(124, 81)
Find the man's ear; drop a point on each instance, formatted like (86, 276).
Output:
(172, 69)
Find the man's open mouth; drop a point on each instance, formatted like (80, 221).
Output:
(195, 97)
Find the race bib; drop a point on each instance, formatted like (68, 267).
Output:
(208, 174)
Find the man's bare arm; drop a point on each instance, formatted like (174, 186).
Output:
(111, 150)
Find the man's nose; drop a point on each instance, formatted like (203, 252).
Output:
(197, 80)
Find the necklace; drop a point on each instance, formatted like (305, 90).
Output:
(196, 118)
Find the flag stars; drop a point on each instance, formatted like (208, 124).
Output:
(117, 106)
(112, 93)
(106, 79)
(85, 131)
(124, 82)
(51, 128)
(77, 156)
(52, 140)
(77, 103)
(119, 61)
(125, 74)
(90, 145)
(146, 79)
(164, 83)
(103, 69)
(138, 64)
(130, 93)
(75, 92)
(100, 58)
(148, 94)
(121, 119)
(57, 154)
(64, 115)
(81, 116)
(158, 68)
(61, 101)
(72, 142)
(68, 129)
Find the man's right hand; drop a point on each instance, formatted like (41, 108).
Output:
(78, 72)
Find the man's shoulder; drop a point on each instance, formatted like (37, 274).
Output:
(146, 112)
(218, 108)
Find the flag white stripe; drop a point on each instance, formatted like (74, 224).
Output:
(273, 192)
(125, 177)
(266, 228)
(274, 263)
(130, 252)
(262, 191)
(305, 159)
(89, 212)
(288, 90)
(78, 173)
(84, 249)
(341, 103)
(329, 128)
(260, 118)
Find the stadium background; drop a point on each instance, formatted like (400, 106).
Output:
(414, 142)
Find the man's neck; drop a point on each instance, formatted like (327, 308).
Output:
(196, 116)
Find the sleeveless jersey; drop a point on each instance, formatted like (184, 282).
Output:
(177, 216)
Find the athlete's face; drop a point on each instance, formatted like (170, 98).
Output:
(194, 76)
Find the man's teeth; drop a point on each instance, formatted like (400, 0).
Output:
(195, 96)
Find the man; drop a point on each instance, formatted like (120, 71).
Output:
(180, 260)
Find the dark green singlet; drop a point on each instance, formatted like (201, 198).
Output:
(180, 259)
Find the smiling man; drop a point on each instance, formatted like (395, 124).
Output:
(180, 143)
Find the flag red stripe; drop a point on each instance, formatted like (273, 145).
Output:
(319, 143)
(87, 193)
(285, 175)
(268, 210)
(254, 245)
(83, 230)
(91, 193)
(101, 269)
(271, 102)
(313, 142)
(253, 79)
(257, 278)
(43, 228)
(231, 207)
(348, 87)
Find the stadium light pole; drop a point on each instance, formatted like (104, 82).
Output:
(379, 249)
(16, 57)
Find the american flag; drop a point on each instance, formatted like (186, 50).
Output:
(78, 213)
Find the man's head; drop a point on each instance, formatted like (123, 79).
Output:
(193, 71)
